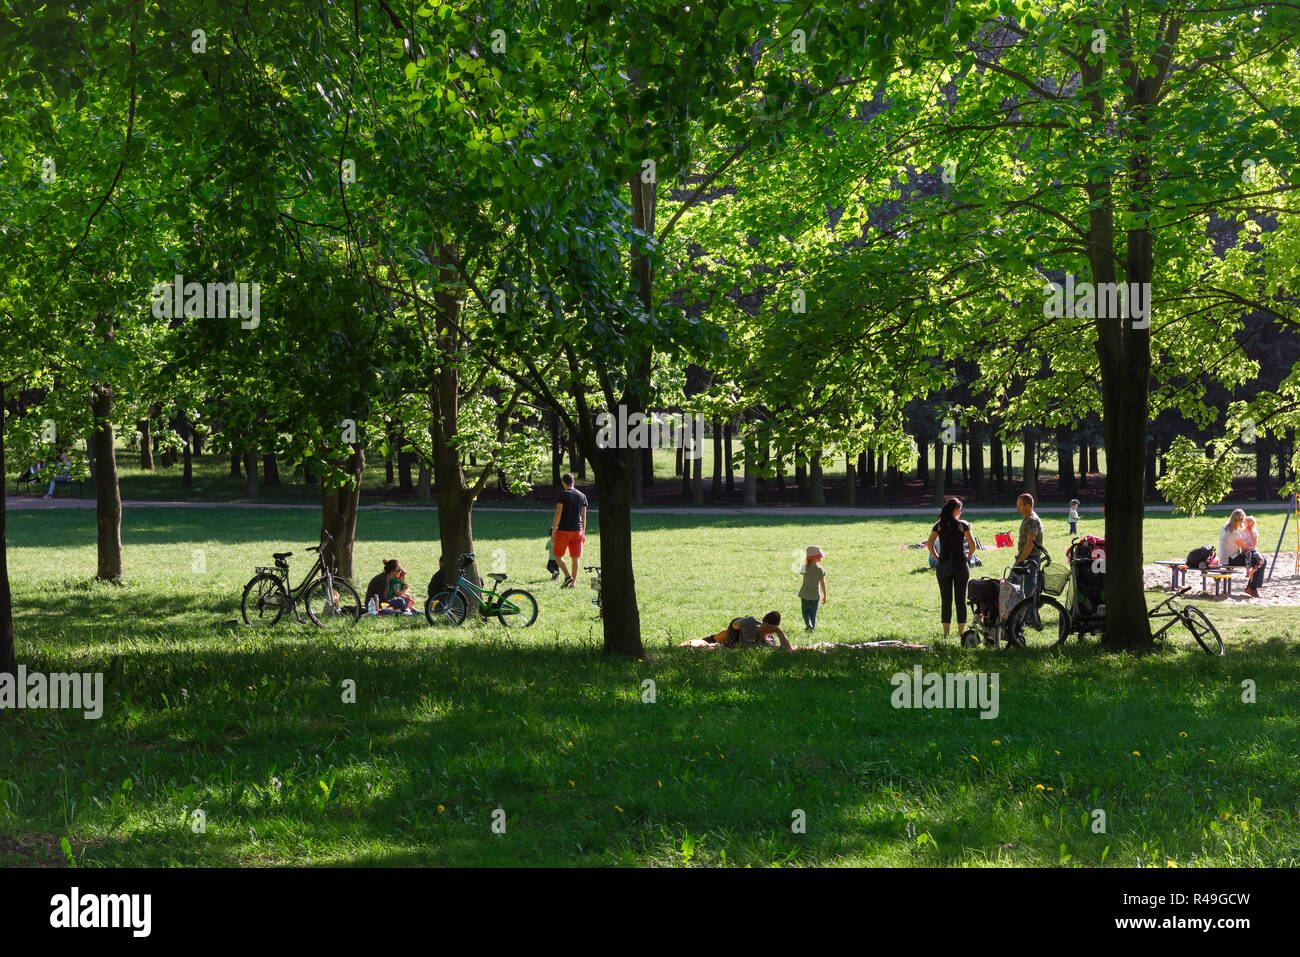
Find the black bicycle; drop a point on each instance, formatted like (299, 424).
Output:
(1193, 619)
(330, 600)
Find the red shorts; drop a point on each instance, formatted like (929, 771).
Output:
(566, 541)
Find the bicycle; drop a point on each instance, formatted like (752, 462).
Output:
(595, 584)
(1038, 613)
(330, 600)
(1193, 619)
(514, 607)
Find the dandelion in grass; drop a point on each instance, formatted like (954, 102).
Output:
(1137, 754)
(1038, 787)
(1182, 734)
(974, 758)
(618, 809)
(441, 808)
(996, 742)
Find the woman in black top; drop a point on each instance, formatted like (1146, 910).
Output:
(953, 567)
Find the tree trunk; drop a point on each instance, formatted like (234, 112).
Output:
(250, 475)
(270, 470)
(1153, 454)
(850, 482)
(923, 461)
(684, 471)
(1011, 470)
(339, 516)
(647, 469)
(557, 450)
(800, 475)
(726, 454)
(198, 445)
(236, 465)
(697, 470)
(146, 444)
(940, 477)
(1083, 463)
(8, 656)
(995, 461)
(1029, 476)
(168, 458)
(893, 478)
(947, 466)
(677, 461)
(393, 445)
(108, 498)
(965, 442)
(1093, 467)
(976, 439)
(871, 467)
(404, 484)
(1065, 462)
(750, 483)
(423, 487)
(614, 470)
(308, 480)
(816, 489)
(716, 490)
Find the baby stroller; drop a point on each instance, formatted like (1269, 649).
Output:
(982, 597)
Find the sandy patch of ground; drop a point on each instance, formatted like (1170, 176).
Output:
(1283, 590)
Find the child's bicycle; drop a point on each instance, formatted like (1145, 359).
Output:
(514, 607)
(330, 600)
(595, 584)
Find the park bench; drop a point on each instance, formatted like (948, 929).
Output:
(27, 481)
(1177, 573)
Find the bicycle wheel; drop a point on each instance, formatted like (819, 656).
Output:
(1049, 628)
(445, 608)
(336, 609)
(1206, 635)
(518, 608)
(264, 601)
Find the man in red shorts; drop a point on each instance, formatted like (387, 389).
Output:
(568, 528)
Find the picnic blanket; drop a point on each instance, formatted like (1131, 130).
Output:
(826, 645)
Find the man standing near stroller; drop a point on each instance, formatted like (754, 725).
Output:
(1030, 551)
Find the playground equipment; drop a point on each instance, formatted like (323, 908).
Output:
(1295, 510)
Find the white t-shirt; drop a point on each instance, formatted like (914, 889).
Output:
(1229, 543)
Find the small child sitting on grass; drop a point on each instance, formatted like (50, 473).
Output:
(813, 577)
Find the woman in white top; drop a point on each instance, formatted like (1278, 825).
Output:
(1231, 552)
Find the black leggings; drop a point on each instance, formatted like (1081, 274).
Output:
(952, 585)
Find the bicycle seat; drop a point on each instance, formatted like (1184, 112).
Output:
(497, 576)
(281, 556)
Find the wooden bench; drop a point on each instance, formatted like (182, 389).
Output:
(1222, 581)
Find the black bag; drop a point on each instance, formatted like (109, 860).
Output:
(1200, 557)
(983, 591)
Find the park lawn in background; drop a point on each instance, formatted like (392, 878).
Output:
(451, 725)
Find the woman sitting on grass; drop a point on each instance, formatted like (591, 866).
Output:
(389, 588)
(747, 631)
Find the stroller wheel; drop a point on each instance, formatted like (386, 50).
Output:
(969, 638)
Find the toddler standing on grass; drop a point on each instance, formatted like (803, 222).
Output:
(814, 576)
(1074, 516)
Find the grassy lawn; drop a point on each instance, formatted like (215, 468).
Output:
(449, 726)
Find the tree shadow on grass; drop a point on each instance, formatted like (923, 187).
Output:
(585, 769)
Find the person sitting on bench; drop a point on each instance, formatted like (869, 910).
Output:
(747, 631)
(63, 473)
(1234, 553)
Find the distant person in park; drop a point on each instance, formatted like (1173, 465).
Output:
(389, 588)
(569, 527)
(1074, 516)
(814, 577)
(745, 632)
(953, 568)
(1233, 551)
(1030, 550)
(63, 472)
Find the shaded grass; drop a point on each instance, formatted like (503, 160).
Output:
(449, 726)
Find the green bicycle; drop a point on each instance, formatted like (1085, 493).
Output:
(514, 607)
